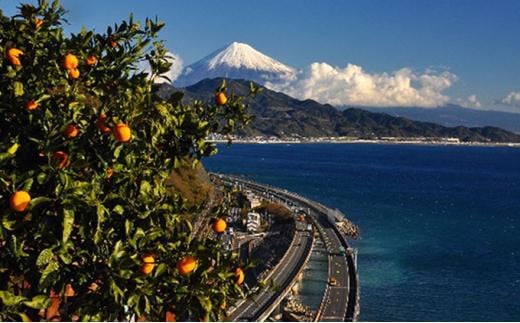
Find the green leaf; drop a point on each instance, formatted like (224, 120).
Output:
(205, 302)
(117, 151)
(41, 178)
(51, 267)
(145, 188)
(128, 227)
(119, 209)
(27, 184)
(18, 88)
(17, 248)
(68, 221)
(8, 223)
(39, 200)
(100, 211)
(161, 269)
(24, 317)
(12, 150)
(38, 302)
(44, 257)
(9, 299)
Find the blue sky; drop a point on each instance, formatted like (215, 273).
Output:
(478, 41)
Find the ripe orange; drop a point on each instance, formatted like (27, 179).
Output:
(239, 276)
(62, 158)
(170, 317)
(70, 62)
(148, 264)
(122, 132)
(93, 287)
(74, 73)
(38, 22)
(112, 41)
(186, 265)
(220, 98)
(19, 201)
(102, 124)
(91, 60)
(219, 226)
(223, 305)
(32, 105)
(13, 56)
(53, 310)
(69, 291)
(71, 131)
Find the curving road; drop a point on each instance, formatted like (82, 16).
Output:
(340, 302)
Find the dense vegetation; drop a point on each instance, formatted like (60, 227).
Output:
(89, 229)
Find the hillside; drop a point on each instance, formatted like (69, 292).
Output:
(453, 115)
(280, 115)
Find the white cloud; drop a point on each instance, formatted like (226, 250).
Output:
(172, 74)
(470, 102)
(354, 86)
(512, 99)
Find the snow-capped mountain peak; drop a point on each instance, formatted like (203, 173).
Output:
(239, 61)
(240, 55)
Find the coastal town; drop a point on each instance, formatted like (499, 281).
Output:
(295, 139)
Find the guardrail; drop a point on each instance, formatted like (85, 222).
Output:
(327, 287)
(288, 285)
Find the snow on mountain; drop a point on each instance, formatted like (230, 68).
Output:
(237, 61)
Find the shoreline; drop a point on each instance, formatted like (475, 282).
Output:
(375, 141)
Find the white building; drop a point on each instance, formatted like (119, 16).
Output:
(253, 222)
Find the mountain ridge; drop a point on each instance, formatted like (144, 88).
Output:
(277, 114)
(453, 115)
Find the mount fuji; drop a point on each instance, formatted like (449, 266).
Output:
(236, 61)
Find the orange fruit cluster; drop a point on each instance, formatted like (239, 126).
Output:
(70, 63)
(148, 264)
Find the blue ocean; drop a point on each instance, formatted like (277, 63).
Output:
(440, 225)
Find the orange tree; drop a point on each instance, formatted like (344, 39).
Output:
(88, 228)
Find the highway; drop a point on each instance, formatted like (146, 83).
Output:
(335, 300)
(283, 275)
(340, 301)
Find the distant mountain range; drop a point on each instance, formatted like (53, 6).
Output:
(242, 61)
(277, 114)
(454, 115)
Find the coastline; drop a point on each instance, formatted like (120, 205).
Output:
(367, 141)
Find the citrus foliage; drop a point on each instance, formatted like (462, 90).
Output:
(83, 134)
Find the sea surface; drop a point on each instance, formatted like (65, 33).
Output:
(440, 224)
